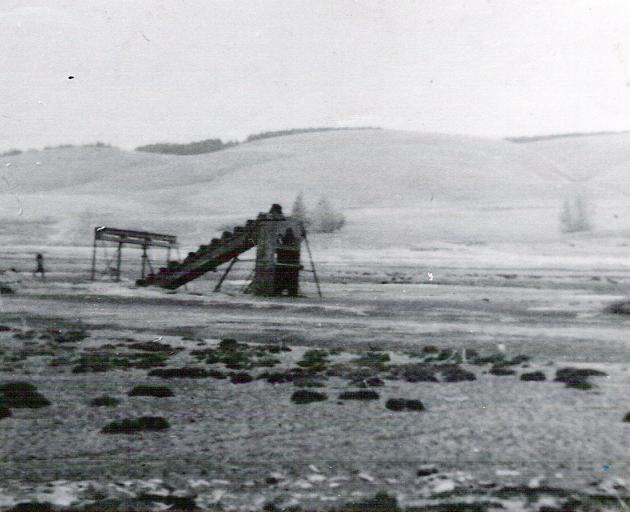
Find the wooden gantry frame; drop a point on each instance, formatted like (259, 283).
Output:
(120, 237)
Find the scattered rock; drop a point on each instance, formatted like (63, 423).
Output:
(104, 401)
(454, 373)
(22, 395)
(241, 378)
(363, 394)
(305, 396)
(131, 425)
(180, 373)
(404, 404)
(501, 371)
(533, 377)
(154, 391)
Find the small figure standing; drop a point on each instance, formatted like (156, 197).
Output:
(40, 266)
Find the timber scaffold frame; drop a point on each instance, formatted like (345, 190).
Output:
(120, 237)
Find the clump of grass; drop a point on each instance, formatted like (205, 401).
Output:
(237, 356)
(372, 360)
(363, 394)
(314, 360)
(104, 361)
(305, 396)
(181, 373)
(104, 401)
(404, 404)
(154, 391)
(132, 425)
(22, 395)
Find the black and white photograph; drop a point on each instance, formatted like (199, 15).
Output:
(314, 255)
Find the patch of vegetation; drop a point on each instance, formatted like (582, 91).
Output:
(154, 346)
(132, 425)
(22, 395)
(305, 396)
(179, 373)
(382, 502)
(577, 378)
(71, 336)
(104, 401)
(501, 371)
(372, 360)
(417, 372)
(295, 131)
(363, 394)
(455, 373)
(104, 361)
(315, 360)
(192, 148)
(533, 377)
(5, 412)
(237, 356)
(154, 391)
(305, 382)
(404, 404)
(241, 378)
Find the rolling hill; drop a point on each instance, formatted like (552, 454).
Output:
(396, 188)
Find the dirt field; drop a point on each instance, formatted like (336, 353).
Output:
(495, 440)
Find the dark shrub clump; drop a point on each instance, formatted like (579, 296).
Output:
(454, 373)
(533, 377)
(179, 373)
(501, 371)
(363, 394)
(404, 404)
(241, 378)
(104, 401)
(305, 396)
(5, 412)
(155, 391)
(22, 394)
(131, 425)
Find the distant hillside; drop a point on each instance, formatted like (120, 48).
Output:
(538, 138)
(212, 145)
(297, 131)
(395, 188)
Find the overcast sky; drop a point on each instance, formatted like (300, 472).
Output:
(166, 70)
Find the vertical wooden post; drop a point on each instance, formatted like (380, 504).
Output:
(144, 259)
(118, 261)
(94, 256)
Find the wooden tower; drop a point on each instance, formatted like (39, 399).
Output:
(278, 254)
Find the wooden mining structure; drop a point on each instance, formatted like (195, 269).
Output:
(277, 266)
